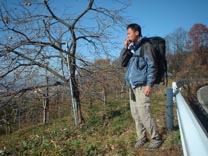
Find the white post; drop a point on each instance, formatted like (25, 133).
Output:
(74, 104)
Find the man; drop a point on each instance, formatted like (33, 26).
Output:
(138, 57)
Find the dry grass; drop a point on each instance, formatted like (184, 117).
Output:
(108, 131)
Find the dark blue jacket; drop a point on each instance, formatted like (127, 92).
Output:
(141, 68)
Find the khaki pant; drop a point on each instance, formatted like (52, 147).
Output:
(141, 113)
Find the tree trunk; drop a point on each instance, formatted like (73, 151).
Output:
(76, 94)
(104, 95)
(45, 110)
(46, 102)
(122, 91)
(75, 89)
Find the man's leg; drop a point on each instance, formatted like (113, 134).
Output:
(143, 107)
(140, 130)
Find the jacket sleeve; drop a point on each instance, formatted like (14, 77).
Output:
(151, 64)
(125, 57)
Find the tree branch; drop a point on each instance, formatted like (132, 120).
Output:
(24, 90)
(55, 17)
(20, 65)
(83, 13)
(40, 65)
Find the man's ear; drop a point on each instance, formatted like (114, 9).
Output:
(137, 33)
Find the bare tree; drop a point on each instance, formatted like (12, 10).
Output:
(176, 48)
(104, 79)
(176, 41)
(35, 32)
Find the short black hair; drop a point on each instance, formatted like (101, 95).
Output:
(135, 27)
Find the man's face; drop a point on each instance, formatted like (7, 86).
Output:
(132, 35)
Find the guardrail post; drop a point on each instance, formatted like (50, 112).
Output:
(169, 109)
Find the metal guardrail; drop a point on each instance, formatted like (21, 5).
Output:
(193, 138)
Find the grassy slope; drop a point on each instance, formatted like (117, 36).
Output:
(108, 131)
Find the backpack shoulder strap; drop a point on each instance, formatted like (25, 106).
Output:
(144, 41)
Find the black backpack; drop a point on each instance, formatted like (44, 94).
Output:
(159, 49)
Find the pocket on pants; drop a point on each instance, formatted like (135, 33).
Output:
(142, 99)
